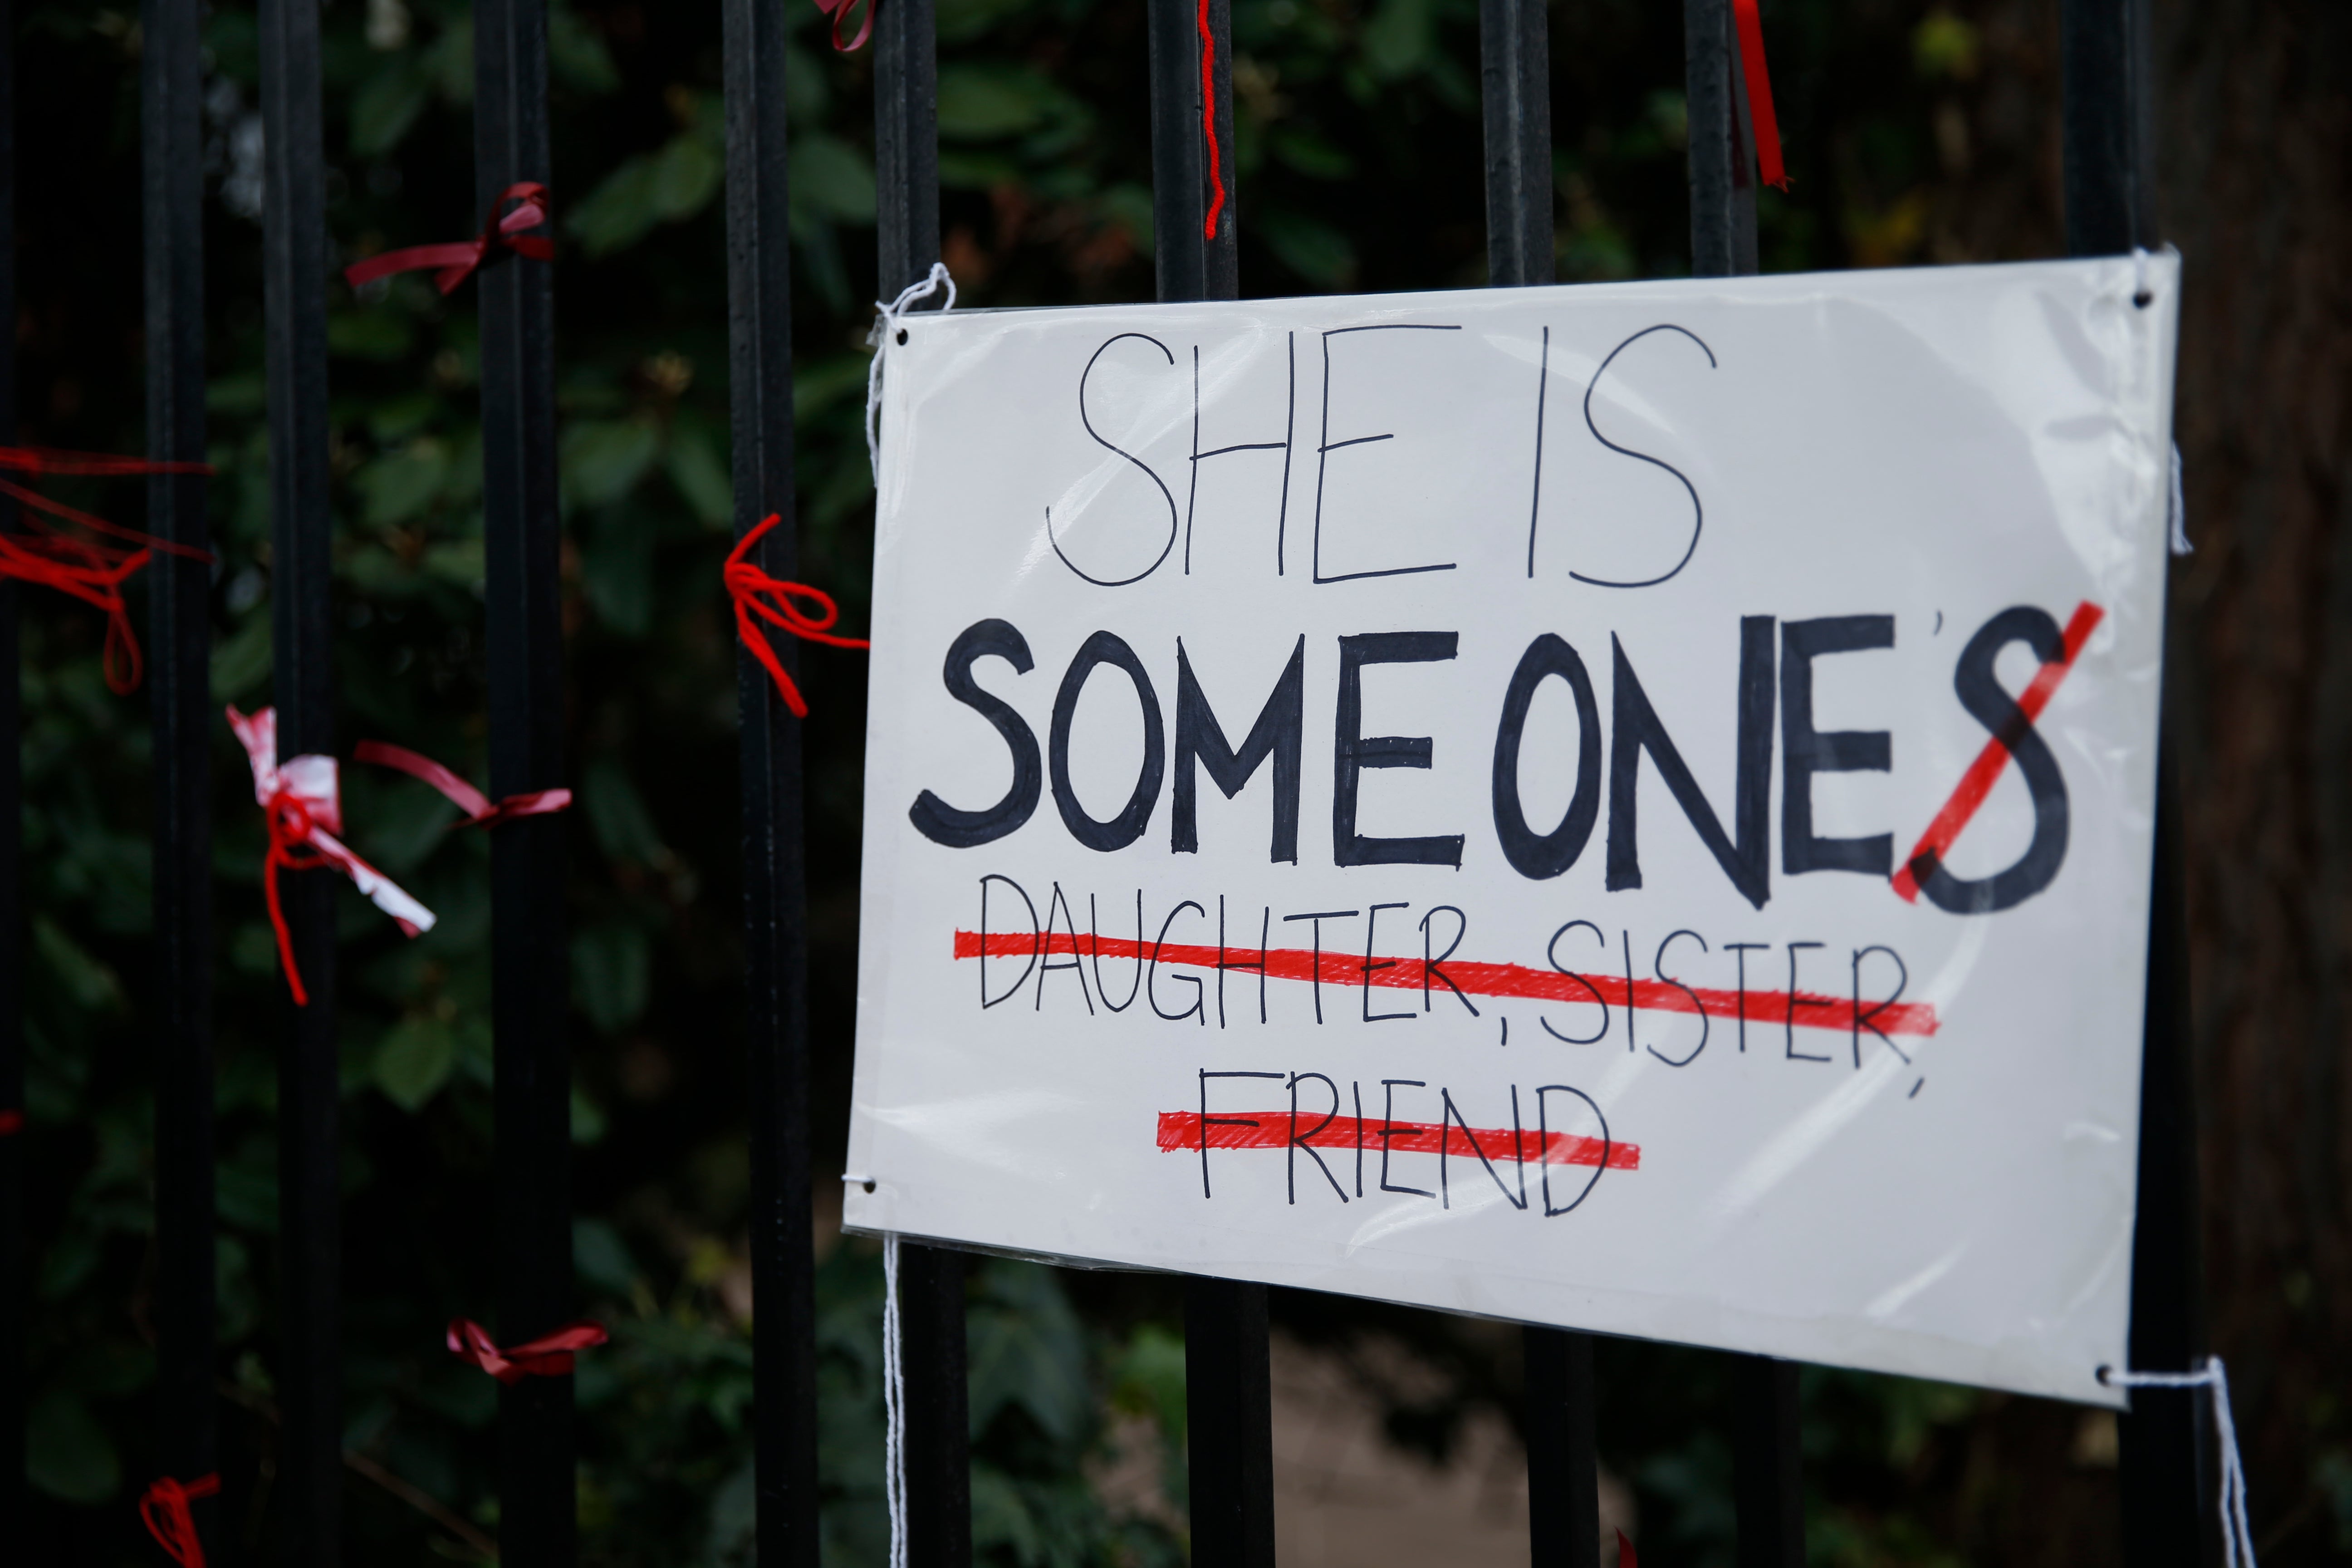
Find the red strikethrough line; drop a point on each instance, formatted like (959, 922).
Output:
(1806, 1009)
(1179, 1133)
(1985, 771)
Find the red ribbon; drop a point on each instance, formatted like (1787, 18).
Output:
(839, 11)
(11, 1123)
(90, 571)
(1625, 1557)
(479, 811)
(457, 259)
(761, 597)
(1759, 93)
(1209, 121)
(550, 1355)
(303, 806)
(163, 1509)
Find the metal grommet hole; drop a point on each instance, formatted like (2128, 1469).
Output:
(2143, 299)
(869, 1186)
(902, 334)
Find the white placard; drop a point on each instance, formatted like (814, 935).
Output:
(1654, 937)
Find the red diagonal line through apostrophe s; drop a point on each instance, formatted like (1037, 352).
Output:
(1811, 1010)
(1985, 771)
(1179, 1130)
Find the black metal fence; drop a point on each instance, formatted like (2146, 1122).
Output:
(2166, 1519)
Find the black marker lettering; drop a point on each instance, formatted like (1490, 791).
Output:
(1796, 1002)
(1036, 942)
(1094, 923)
(1151, 981)
(1635, 727)
(1117, 832)
(1045, 964)
(1054, 538)
(1371, 927)
(1698, 512)
(1278, 734)
(1551, 956)
(1208, 1120)
(1740, 949)
(1353, 752)
(1296, 1142)
(1658, 967)
(1987, 703)
(1863, 1016)
(1805, 750)
(1389, 1129)
(1316, 920)
(1547, 855)
(1543, 1146)
(1327, 447)
(1434, 968)
(934, 818)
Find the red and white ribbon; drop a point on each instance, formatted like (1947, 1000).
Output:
(479, 811)
(304, 804)
(550, 1355)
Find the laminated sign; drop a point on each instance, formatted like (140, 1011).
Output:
(1627, 807)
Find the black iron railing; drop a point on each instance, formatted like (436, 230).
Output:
(1197, 211)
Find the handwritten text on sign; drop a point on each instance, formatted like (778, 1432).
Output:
(1624, 807)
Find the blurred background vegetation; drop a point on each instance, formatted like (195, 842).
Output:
(1918, 131)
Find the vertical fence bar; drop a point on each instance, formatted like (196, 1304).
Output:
(1768, 1482)
(775, 893)
(2167, 1514)
(1228, 1399)
(1768, 1479)
(1563, 1468)
(1515, 78)
(930, 1279)
(180, 705)
(1722, 183)
(14, 1280)
(1515, 81)
(1229, 1422)
(528, 1001)
(1192, 264)
(294, 307)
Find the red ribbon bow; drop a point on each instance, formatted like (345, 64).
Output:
(304, 806)
(550, 1355)
(839, 11)
(1759, 94)
(761, 597)
(479, 811)
(457, 259)
(163, 1509)
(90, 571)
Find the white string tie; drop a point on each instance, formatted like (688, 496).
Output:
(894, 1405)
(887, 331)
(2180, 509)
(2237, 1535)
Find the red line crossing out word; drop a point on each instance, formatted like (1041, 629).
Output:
(1179, 1133)
(1986, 770)
(1802, 1009)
